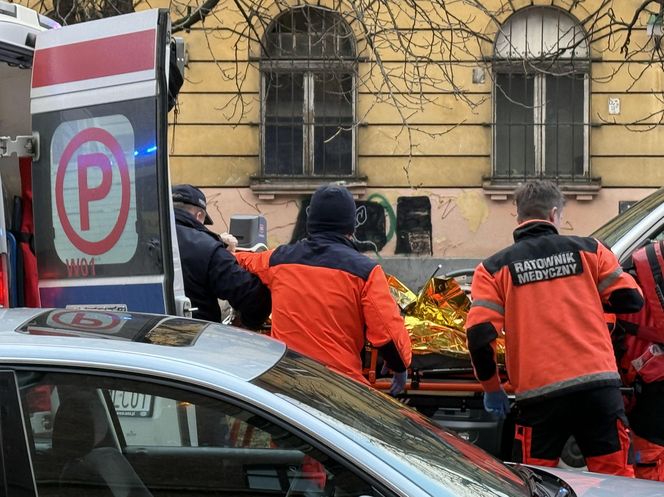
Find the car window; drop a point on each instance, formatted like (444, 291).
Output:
(92, 435)
(156, 421)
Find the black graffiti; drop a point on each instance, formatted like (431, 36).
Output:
(414, 226)
(369, 225)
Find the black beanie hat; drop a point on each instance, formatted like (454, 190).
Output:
(332, 208)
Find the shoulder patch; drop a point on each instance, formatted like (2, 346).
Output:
(551, 267)
(533, 249)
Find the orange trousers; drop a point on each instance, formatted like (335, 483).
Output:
(649, 459)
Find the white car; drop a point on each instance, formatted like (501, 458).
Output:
(137, 405)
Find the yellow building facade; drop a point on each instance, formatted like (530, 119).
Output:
(433, 112)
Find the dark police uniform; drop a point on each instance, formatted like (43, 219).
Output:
(211, 273)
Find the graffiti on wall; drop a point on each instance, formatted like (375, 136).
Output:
(376, 224)
(414, 226)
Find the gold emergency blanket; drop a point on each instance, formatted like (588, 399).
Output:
(436, 317)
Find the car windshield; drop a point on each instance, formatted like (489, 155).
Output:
(617, 227)
(403, 438)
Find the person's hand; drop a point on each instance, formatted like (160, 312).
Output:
(497, 402)
(398, 380)
(230, 241)
(398, 383)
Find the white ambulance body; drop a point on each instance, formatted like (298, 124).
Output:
(83, 112)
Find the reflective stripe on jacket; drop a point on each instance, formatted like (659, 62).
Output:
(328, 299)
(548, 293)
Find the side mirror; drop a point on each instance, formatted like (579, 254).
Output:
(178, 60)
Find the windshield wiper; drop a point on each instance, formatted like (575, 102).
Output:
(536, 486)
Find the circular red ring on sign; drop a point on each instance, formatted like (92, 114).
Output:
(115, 320)
(107, 139)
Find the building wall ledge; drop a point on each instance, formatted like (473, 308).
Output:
(270, 187)
(585, 190)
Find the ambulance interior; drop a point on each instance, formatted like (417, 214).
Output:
(19, 27)
(15, 120)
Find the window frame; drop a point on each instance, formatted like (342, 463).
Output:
(540, 127)
(309, 68)
(540, 67)
(16, 473)
(309, 124)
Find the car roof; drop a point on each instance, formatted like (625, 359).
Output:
(125, 340)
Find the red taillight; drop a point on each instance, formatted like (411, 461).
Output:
(4, 281)
(38, 399)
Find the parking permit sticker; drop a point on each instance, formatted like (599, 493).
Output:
(105, 323)
(93, 190)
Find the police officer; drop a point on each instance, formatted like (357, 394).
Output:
(547, 294)
(210, 271)
(328, 298)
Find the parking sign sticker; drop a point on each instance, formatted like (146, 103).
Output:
(106, 323)
(93, 190)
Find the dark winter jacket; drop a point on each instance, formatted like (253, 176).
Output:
(211, 273)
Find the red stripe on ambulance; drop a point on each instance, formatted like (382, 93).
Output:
(112, 56)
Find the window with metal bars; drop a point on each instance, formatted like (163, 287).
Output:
(308, 69)
(541, 98)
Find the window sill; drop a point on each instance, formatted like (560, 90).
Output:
(270, 187)
(584, 190)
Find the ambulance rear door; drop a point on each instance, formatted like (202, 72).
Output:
(104, 232)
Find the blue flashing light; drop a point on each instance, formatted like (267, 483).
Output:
(147, 151)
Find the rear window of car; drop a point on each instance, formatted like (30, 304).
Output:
(620, 225)
(145, 328)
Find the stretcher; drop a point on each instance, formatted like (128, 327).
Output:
(444, 388)
(430, 373)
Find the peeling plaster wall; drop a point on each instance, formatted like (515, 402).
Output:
(465, 222)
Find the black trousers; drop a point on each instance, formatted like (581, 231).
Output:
(596, 419)
(647, 416)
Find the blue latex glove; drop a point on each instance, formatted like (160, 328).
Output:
(398, 383)
(497, 403)
(398, 380)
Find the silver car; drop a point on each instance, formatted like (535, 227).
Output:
(97, 403)
(634, 228)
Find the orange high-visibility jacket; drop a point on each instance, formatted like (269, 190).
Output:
(548, 294)
(328, 300)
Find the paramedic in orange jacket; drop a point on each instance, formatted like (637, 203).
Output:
(547, 293)
(327, 298)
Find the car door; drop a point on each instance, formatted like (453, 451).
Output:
(104, 229)
(169, 440)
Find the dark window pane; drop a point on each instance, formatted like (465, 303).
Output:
(309, 32)
(333, 151)
(564, 125)
(283, 123)
(333, 118)
(96, 436)
(514, 147)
